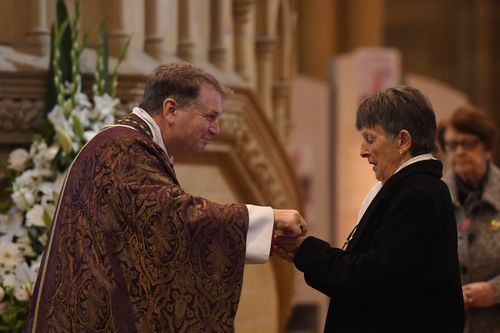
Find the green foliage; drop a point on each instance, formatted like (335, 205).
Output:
(65, 58)
(114, 76)
(101, 74)
(76, 51)
(14, 319)
(60, 56)
(58, 62)
(103, 82)
(45, 128)
(9, 177)
(63, 46)
(50, 94)
(5, 206)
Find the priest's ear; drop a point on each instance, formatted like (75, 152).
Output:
(169, 108)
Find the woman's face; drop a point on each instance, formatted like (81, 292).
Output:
(382, 151)
(467, 155)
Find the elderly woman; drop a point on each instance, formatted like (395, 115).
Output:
(399, 271)
(467, 139)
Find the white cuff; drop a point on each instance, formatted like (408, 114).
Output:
(259, 235)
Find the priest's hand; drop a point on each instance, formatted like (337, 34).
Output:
(289, 222)
(286, 247)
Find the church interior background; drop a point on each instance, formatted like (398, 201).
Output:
(298, 69)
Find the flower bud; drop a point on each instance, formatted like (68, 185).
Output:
(64, 140)
(21, 294)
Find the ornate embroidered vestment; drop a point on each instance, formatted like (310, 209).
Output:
(129, 250)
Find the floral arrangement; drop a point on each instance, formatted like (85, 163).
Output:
(37, 173)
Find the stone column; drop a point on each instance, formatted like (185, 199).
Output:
(318, 36)
(244, 39)
(281, 98)
(160, 28)
(283, 68)
(118, 26)
(484, 90)
(186, 45)
(220, 26)
(38, 35)
(365, 23)
(265, 51)
(153, 41)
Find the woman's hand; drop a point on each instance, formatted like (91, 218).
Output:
(285, 247)
(478, 294)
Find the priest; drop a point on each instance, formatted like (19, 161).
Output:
(129, 250)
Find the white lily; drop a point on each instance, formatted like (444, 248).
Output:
(34, 216)
(18, 159)
(11, 224)
(10, 254)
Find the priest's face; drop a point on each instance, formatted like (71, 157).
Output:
(197, 123)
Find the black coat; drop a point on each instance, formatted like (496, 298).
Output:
(400, 271)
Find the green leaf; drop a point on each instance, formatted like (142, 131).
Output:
(6, 328)
(65, 43)
(46, 129)
(58, 68)
(101, 75)
(114, 77)
(47, 219)
(51, 94)
(78, 126)
(105, 57)
(55, 196)
(9, 318)
(5, 206)
(64, 140)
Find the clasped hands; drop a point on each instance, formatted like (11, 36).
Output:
(290, 231)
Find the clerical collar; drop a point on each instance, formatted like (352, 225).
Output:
(155, 130)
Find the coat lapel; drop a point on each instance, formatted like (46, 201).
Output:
(366, 217)
(431, 166)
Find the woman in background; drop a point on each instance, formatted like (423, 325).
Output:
(467, 139)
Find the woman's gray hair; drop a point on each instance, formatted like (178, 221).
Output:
(401, 108)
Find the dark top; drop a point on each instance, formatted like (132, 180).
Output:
(400, 272)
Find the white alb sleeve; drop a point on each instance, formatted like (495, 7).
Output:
(259, 235)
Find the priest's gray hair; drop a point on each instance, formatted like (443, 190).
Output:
(180, 81)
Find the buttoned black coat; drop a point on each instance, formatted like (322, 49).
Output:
(400, 271)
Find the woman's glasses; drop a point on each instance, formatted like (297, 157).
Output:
(453, 145)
